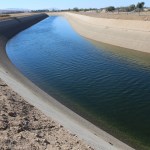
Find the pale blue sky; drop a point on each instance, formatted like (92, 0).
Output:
(63, 4)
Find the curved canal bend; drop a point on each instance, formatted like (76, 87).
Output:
(107, 87)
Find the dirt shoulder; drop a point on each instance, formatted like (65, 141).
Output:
(144, 16)
(17, 15)
(22, 126)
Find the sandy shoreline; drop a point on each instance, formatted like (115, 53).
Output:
(95, 137)
(130, 34)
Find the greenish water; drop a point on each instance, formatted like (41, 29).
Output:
(107, 85)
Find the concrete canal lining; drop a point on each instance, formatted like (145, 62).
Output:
(95, 137)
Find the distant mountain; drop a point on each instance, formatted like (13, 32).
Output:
(17, 9)
(13, 10)
(45, 9)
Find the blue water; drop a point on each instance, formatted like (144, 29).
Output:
(111, 90)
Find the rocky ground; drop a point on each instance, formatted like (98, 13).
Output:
(23, 127)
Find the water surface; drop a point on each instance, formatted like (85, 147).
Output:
(108, 86)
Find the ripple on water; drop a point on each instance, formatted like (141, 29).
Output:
(103, 82)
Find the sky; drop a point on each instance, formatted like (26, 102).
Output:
(65, 4)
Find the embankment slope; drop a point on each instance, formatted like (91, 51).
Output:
(131, 34)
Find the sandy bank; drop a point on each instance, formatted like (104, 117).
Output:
(93, 136)
(131, 34)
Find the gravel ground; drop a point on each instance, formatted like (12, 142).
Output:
(23, 127)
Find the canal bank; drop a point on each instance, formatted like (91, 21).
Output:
(130, 34)
(95, 137)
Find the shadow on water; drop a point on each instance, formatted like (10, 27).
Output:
(136, 58)
(107, 85)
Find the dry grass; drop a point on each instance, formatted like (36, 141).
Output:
(5, 16)
(114, 15)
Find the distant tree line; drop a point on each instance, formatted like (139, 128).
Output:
(76, 9)
(40, 10)
(138, 7)
(84, 9)
(45, 10)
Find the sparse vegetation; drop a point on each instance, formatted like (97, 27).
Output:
(139, 7)
(110, 8)
(76, 9)
(42, 10)
(4, 15)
